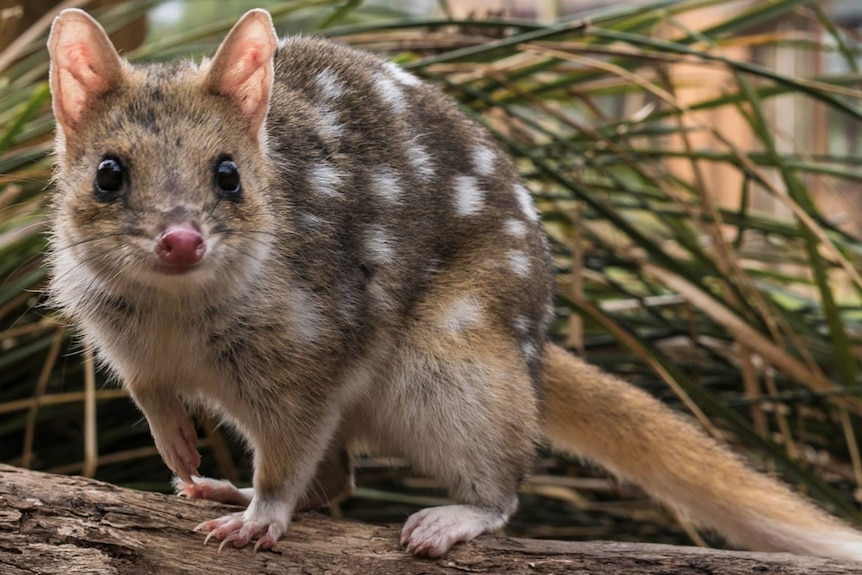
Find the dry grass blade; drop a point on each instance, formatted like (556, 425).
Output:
(813, 379)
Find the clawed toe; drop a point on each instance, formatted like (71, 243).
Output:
(432, 532)
(239, 530)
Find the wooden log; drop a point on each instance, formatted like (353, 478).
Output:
(53, 524)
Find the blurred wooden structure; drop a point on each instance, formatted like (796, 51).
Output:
(803, 126)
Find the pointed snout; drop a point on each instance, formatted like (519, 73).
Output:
(180, 246)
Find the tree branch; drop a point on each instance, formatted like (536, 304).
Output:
(53, 524)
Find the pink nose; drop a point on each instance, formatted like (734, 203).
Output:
(181, 246)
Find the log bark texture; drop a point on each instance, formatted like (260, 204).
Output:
(52, 524)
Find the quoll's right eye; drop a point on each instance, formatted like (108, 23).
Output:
(109, 179)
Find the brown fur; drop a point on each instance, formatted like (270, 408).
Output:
(380, 277)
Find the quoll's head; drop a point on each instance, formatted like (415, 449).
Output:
(161, 177)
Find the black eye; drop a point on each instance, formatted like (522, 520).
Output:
(227, 179)
(109, 179)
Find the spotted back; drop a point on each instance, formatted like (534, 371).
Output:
(389, 185)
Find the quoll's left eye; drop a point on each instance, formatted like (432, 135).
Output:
(227, 179)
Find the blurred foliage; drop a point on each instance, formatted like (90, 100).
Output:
(694, 254)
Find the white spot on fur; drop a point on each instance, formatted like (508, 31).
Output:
(386, 185)
(516, 228)
(312, 221)
(469, 198)
(331, 88)
(330, 123)
(330, 85)
(519, 262)
(380, 246)
(521, 324)
(526, 202)
(529, 349)
(462, 314)
(304, 314)
(325, 179)
(402, 75)
(381, 250)
(420, 160)
(484, 159)
(391, 93)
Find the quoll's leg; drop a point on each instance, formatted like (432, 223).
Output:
(171, 427)
(283, 470)
(483, 475)
(332, 482)
(467, 415)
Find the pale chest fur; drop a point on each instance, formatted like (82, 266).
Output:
(158, 350)
(197, 348)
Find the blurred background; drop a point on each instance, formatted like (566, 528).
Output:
(697, 165)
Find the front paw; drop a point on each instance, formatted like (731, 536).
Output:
(178, 448)
(266, 522)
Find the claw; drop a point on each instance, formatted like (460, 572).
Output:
(208, 537)
(202, 526)
(222, 544)
(268, 539)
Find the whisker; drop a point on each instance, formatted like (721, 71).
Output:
(55, 248)
(28, 228)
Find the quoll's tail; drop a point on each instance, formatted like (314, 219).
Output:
(599, 417)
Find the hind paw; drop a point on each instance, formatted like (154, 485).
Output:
(219, 490)
(433, 531)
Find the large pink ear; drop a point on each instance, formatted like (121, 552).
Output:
(84, 66)
(242, 68)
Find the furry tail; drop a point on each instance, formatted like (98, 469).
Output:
(597, 416)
